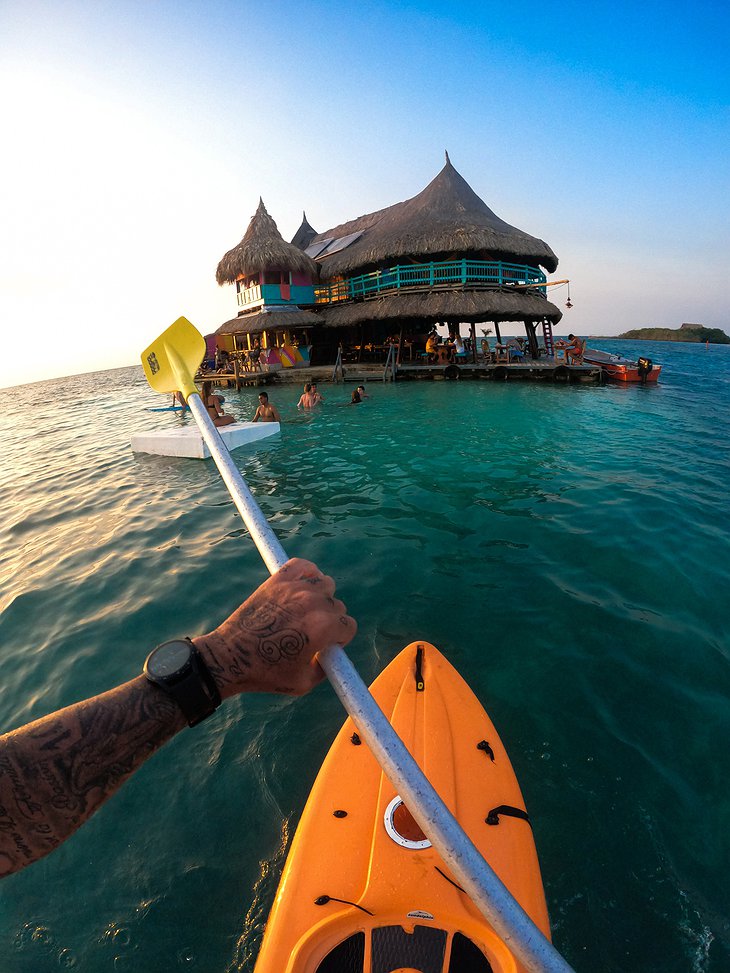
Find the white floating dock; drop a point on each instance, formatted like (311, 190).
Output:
(188, 441)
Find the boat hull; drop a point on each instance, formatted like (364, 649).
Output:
(361, 881)
(620, 369)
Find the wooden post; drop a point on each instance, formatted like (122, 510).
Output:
(237, 373)
(473, 332)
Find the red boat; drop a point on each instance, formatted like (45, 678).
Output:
(623, 369)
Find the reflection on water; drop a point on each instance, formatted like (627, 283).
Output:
(566, 547)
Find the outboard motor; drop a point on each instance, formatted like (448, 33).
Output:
(645, 367)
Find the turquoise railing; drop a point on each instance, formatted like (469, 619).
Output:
(448, 275)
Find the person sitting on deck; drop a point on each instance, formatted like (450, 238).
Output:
(459, 349)
(253, 359)
(266, 412)
(432, 347)
(516, 351)
(573, 350)
(214, 404)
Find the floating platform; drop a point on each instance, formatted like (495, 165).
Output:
(188, 441)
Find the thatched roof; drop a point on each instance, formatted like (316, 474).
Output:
(446, 218)
(483, 305)
(263, 248)
(270, 320)
(304, 235)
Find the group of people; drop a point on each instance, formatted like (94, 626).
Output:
(310, 397)
(454, 348)
(252, 359)
(266, 412)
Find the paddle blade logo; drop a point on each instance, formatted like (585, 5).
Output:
(153, 363)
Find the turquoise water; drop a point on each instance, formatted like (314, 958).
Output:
(568, 547)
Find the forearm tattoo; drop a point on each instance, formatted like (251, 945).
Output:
(56, 772)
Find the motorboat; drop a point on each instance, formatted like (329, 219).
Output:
(622, 369)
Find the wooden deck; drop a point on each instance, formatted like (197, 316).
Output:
(546, 370)
(543, 370)
(233, 380)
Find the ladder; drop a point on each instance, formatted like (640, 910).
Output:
(547, 334)
(338, 367)
(391, 362)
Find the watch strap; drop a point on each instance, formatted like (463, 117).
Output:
(195, 691)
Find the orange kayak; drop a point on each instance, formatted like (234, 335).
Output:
(362, 890)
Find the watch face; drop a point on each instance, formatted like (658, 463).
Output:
(168, 658)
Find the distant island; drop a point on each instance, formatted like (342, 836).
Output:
(688, 332)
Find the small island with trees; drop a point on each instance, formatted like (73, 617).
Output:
(688, 332)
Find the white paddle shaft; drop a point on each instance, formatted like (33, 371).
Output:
(497, 904)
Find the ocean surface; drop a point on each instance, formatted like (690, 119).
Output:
(567, 547)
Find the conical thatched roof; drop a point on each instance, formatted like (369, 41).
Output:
(304, 235)
(486, 305)
(446, 218)
(270, 320)
(263, 248)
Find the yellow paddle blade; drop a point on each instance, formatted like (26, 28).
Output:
(171, 361)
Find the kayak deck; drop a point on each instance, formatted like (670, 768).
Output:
(362, 888)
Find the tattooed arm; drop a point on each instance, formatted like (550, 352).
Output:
(56, 772)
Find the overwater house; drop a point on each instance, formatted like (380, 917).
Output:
(274, 285)
(442, 257)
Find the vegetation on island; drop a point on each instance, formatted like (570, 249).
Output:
(688, 332)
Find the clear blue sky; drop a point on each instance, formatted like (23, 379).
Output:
(139, 136)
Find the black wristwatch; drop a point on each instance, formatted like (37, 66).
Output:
(177, 668)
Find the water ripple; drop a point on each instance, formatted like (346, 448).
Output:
(568, 547)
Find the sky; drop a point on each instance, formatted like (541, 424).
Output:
(137, 138)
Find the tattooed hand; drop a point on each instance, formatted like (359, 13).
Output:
(269, 643)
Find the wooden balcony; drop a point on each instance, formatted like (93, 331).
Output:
(448, 275)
